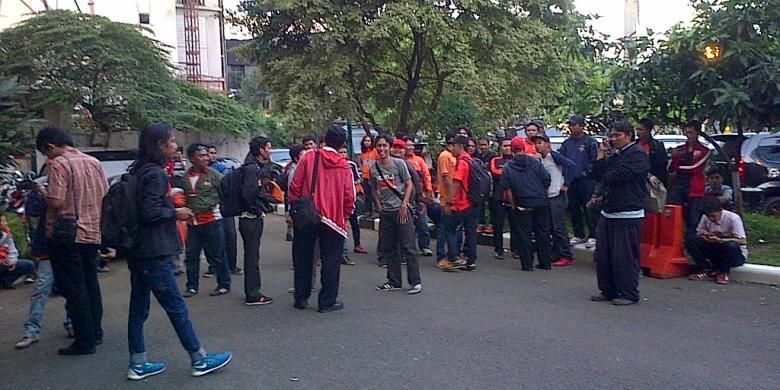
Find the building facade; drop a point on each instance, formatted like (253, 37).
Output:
(195, 28)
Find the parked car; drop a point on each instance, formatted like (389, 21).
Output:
(672, 141)
(759, 172)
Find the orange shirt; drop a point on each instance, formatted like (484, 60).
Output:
(460, 201)
(446, 165)
(422, 168)
(367, 159)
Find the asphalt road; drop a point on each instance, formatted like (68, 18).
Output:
(495, 328)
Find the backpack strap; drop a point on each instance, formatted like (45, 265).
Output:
(382, 175)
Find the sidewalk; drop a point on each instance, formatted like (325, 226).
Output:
(748, 273)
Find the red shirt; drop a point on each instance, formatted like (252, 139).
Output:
(461, 202)
(699, 154)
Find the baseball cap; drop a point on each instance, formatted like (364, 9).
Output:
(518, 143)
(536, 122)
(576, 120)
(543, 137)
(399, 143)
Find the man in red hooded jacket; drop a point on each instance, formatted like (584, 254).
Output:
(334, 198)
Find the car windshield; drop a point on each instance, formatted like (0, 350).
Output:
(280, 155)
(769, 153)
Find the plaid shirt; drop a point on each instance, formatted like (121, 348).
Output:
(89, 185)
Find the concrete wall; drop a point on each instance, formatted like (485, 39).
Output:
(227, 145)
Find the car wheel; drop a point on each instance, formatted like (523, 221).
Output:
(772, 206)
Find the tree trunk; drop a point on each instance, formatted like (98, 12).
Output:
(736, 184)
(357, 97)
(413, 69)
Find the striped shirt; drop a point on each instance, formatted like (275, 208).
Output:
(89, 185)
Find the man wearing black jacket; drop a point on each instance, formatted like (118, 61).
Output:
(250, 223)
(623, 177)
(527, 181)
(654, 148)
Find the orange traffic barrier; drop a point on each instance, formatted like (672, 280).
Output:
(667, 258)
(649, 238)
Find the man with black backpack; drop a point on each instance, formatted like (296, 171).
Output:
(468, 192)
(393, 189)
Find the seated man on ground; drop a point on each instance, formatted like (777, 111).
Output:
(720, 243)
(12, 268)
(716, 188)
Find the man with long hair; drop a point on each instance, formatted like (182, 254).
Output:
(151, 266)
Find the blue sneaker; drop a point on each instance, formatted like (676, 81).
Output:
(140, 371)
(212, 362)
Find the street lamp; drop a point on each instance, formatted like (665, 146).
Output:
(712, 52)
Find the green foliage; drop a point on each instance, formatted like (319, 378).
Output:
(18, 230)
(398, 61)
(13, 138)
(671, 80)
(763, 233)
(70, 59)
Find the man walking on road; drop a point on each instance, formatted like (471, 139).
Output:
(393, 188)
(623, 176)
(461, 210)
(77, 185)
(421, 226)
(500, 211)
(333, 193)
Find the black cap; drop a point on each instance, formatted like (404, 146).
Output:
(536, 122)
(541, 137)
(576, 120)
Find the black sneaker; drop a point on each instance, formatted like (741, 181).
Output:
(237, 271)
(191, 292)
(261, 300)
(469, 267)
(209, 274)
(387, 287)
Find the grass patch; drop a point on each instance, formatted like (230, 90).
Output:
(763, 233)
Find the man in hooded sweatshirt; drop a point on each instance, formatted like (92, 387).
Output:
(334, 199)
(527, 181)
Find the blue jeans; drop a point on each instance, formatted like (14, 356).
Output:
(423, 231)
(155, 275)
(468, 218)
(211, 239)
(448, 228)
(23, 267)
(39, 299)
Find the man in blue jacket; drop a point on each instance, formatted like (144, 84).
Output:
(623, 177)
(562, 171)
(527, 181)
(581, 149)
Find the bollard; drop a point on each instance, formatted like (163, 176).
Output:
(667, 258)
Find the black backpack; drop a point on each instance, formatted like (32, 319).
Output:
(480, 182)
(119, 214)
(231, 201)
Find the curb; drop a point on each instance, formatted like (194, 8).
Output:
(748, 273)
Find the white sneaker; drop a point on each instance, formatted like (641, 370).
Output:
(416, 289)
(575, 240)
(591, 243)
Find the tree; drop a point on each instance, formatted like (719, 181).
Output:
(396, 61)
(13, 139)
(110, 70)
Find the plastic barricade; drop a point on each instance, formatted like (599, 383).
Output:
(667, 258)
(649, 238)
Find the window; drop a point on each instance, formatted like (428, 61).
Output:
(143, 18)
(200, 2)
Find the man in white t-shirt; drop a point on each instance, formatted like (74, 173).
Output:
(720, 243)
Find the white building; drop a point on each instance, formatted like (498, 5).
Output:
(198, 26)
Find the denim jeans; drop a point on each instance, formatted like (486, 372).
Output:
(580, 192)
(446, 229)
(331, 245)
(75, 268)
(423, 231)
(39, 299)
(211, 239)
(467, 218)
(155, 275)
(719, 257)
(231, 250)
(499, 215)
(23, 267)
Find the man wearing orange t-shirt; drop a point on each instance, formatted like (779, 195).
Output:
(461, 209)
(421, 228)
(446, 165)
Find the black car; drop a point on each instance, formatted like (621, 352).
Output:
(759, 171)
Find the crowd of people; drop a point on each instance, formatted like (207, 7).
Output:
(523, 185)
